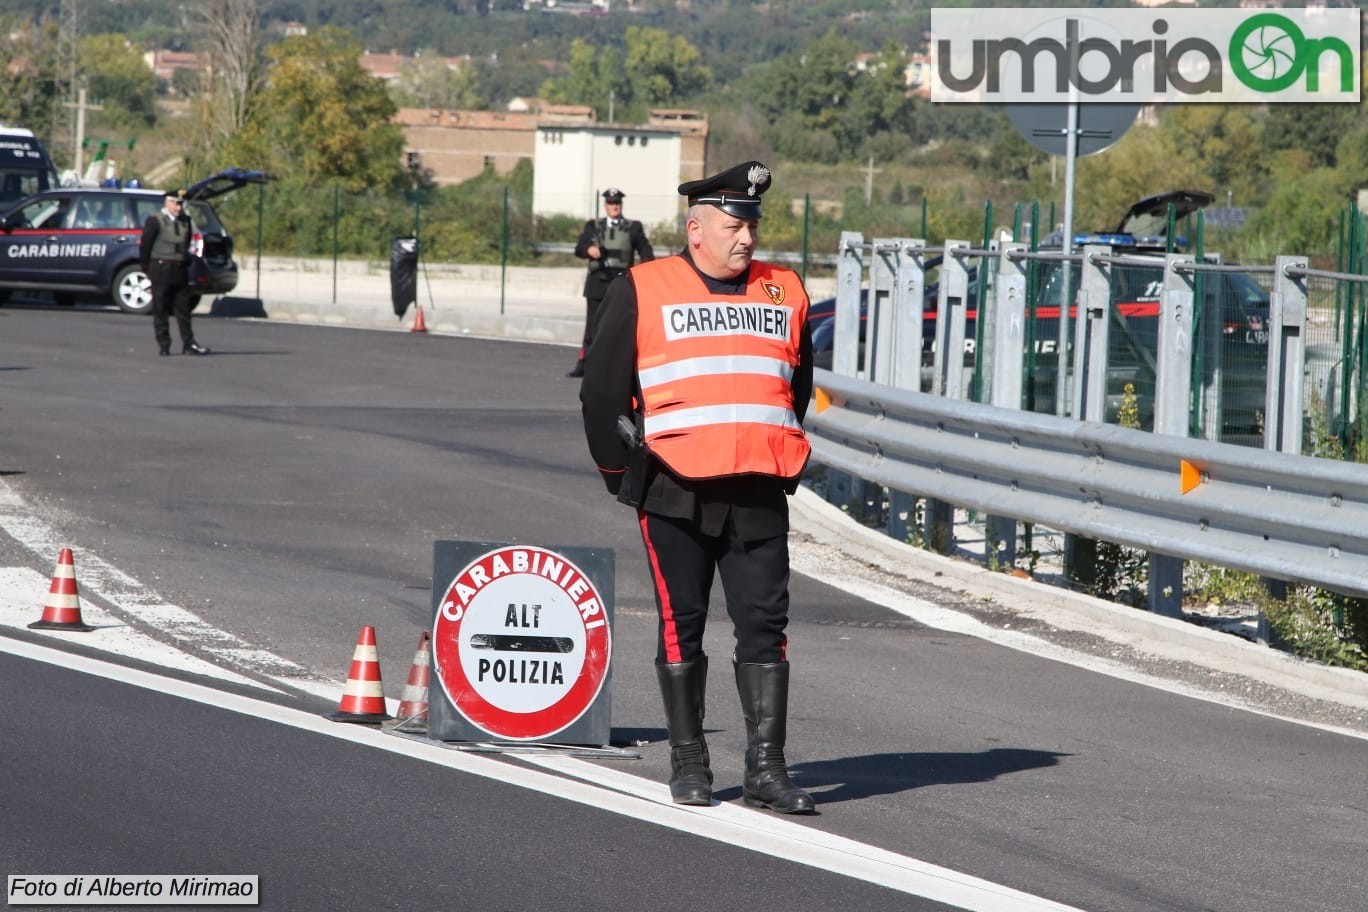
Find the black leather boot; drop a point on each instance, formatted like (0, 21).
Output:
(682, 687)
(764, 703)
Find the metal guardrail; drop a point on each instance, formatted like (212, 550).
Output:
(769, 256)
(1276, 514)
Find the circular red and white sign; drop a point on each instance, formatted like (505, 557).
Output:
(521, 643)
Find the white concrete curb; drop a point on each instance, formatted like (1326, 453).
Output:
(1155, 634)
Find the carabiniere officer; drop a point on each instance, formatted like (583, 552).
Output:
(693, 395)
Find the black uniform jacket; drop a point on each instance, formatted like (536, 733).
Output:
(757, 503)
(151, 228)
(597, 281)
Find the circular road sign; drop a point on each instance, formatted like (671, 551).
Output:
(521, 643)
(1045, 125)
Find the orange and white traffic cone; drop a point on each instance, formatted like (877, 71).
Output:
(363, 698)
(419, 324)
(413, 704)
(62, 609)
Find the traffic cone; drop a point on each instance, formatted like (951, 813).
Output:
(62, 610)
(419, 324)
(363, 699)
(413, 704)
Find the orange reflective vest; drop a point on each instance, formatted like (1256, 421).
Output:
(716, 371)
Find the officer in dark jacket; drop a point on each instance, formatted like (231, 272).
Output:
(726, 510)
(165, 254)
(611, 244)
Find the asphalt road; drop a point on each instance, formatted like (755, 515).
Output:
(287, 490)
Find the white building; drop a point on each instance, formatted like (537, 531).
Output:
(574, 164)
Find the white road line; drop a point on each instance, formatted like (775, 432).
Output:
(98, 578)
(21, 603)
(626, 795)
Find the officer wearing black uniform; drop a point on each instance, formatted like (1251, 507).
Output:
(663, 386)
(611, 244)
(165, 254)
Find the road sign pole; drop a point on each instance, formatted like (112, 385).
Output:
(1062, 394)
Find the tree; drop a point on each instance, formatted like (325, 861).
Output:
(814, 85)
(1302, 213)
(231, 44)
(431, 82)
(1221, 141)
(1313, 128)
(585, 83)
(321, 118)
(1139, 165)
(655, 70)
(29, 84)
(661, 68)
(510, 74)
(819, 102)
(120, 80)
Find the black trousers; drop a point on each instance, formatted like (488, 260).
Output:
(755, 576)
(592, 306)
(171, 294)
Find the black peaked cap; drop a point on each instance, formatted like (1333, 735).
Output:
(735, 191)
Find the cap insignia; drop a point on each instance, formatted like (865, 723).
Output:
(758, 175)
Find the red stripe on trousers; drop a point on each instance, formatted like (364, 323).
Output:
(670, 634)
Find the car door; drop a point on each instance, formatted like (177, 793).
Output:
(32, 252)
(102, 231)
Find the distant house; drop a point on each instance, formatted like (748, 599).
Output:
(574, 156)
(164, 64)
(388, 66)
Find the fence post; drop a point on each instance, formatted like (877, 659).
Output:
(907, 304)
(1172, 395)
(1089, 398)
(880, 330)
(948, 359)
(1007, 334)
(845, 490)
(905, 356)
(845, 343)
(1091, 332)
(1286, 355)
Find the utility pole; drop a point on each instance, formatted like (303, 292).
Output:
(78, 137)
(68, 35)
(870, 171)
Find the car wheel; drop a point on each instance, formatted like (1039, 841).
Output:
(132, 291)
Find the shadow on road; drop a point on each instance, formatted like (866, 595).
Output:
(886, 774)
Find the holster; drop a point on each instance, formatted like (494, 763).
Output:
(633, 490)
(636, 468)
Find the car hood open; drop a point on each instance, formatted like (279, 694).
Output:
(225, 182)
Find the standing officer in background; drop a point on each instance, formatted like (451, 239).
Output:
(707, 354)
(165, 255)
(608, 244)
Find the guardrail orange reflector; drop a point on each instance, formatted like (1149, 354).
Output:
(1189, 476)
(823, 399)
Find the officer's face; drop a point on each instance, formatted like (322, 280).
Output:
(722, 244)
(613, 210)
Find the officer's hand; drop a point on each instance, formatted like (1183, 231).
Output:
(594, 252)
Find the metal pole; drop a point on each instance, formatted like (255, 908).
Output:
(337, 206)
(1065, 299)
(503, 254)
(807, 222)
(261, 209)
